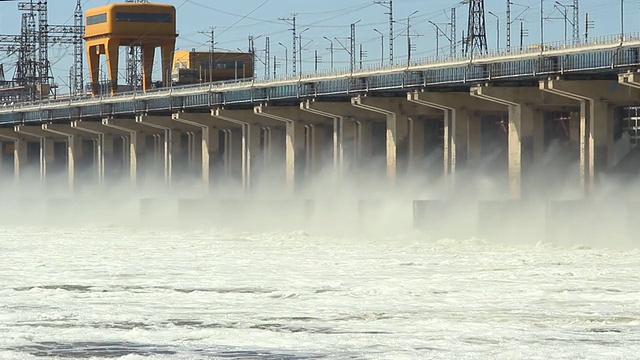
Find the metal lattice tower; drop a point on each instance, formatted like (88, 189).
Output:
(452, 33)
(134, 60)
(41, 37)
(26, 68)
(33, 68)
(389, 5)
(78, 51)
(508, 25)
(576, 21)
(292, 21)
(267, 57)
(352, 43)
(476, 41)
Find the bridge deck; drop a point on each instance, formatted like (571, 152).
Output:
(607, 55)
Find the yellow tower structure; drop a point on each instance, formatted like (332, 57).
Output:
(130, 24)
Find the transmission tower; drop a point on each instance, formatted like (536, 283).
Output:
(32, 75)
(134, 60)
(476, 41)
(78, 51)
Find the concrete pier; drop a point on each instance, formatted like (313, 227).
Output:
(137, 145)
(297, 145)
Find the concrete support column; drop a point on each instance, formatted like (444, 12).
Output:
(596, 118)
(19, 156)
(19, 149)
(462, 133)
(294, 143)
(251, 147)
(523, 149)
(74, 140)
(207, 138)
(104, 137)
(137, 134)
(172, 144)
(295, 120)
(397, 129)
(351, 139)
(456, 138)
(46, 139)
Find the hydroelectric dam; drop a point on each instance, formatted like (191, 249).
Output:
(539, 140)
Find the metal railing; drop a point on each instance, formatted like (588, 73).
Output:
(458, 68)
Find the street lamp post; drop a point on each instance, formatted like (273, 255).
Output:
(409, 37)
(498, 29)
(621, 19)
(437, 39)
(300, 47)
(381, 46)
(330, 49)
(286, 58)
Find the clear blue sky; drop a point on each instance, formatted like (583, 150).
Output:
(234, 21)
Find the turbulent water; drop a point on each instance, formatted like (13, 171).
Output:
(129, 292)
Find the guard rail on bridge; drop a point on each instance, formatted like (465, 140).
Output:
(606, 55)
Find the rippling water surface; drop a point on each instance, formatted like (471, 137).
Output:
(124, 292)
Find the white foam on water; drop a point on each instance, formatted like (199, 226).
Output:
(210, 293)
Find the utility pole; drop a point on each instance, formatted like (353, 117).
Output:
(292, 21)
(275, 66)
(453, 24)
(363, 54)
(564, 12)
(508, 25)
(541, 25)
(389, 5)
(409, 37)
(576, 21)
(352, 42)
(267, 57)
(588, 25)
(523, 33)
(317, 60)
(212, 43)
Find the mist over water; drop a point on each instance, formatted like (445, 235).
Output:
(335, 270)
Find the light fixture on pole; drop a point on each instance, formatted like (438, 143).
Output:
(300, 47)
(621, 20)
(497, 28)
(330, 49)
(286, 58)
(381, 46)
(437, 39)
